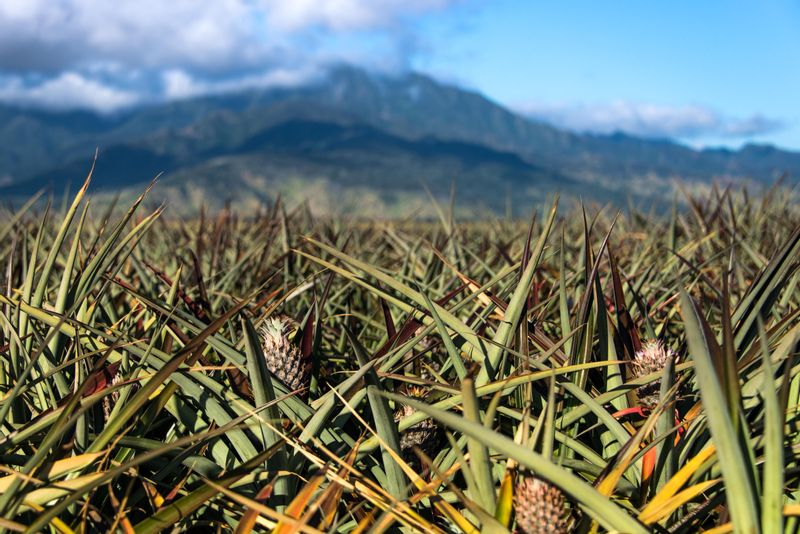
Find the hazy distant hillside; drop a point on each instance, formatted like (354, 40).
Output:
(354, 131)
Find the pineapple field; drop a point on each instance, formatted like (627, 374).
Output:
(584, 370)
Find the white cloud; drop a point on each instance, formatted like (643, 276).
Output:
(108, 54)
(69, 90)
(180, 84)
(649, 120)
(217, 36)
(344, 15)
(754, 125)
(48, 35)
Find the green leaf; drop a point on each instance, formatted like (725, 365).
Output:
(517, 303)
(480, 464)
(734, 462)
(385, 426)
(773, 478)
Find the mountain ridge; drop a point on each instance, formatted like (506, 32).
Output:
(442, 132)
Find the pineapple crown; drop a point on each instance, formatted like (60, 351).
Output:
(275, 328)
(415, 391)
(652, 357)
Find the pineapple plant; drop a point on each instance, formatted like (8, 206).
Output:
(191, 451)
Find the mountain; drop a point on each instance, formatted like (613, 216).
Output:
(354, 135)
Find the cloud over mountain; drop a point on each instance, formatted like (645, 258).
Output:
(106, 55)
(67, 90)
(650, 120)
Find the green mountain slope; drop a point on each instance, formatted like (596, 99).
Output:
(355, 130)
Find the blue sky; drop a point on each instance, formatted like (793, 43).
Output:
(705, 72)
(739, 60)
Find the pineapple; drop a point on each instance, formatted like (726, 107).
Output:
(424, 434)
(539, 506)
(652, 358)
(284, 360)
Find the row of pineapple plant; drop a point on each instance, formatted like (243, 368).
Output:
(583, 371)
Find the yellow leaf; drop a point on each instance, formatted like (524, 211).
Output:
(723, 529)
(659, 513)
(60, 467)
(505, 501)
(59, 489)
(676, 482)
(299, 503)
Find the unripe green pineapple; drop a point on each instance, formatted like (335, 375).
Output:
(652, 358)
(539, 506)
(283, 359)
